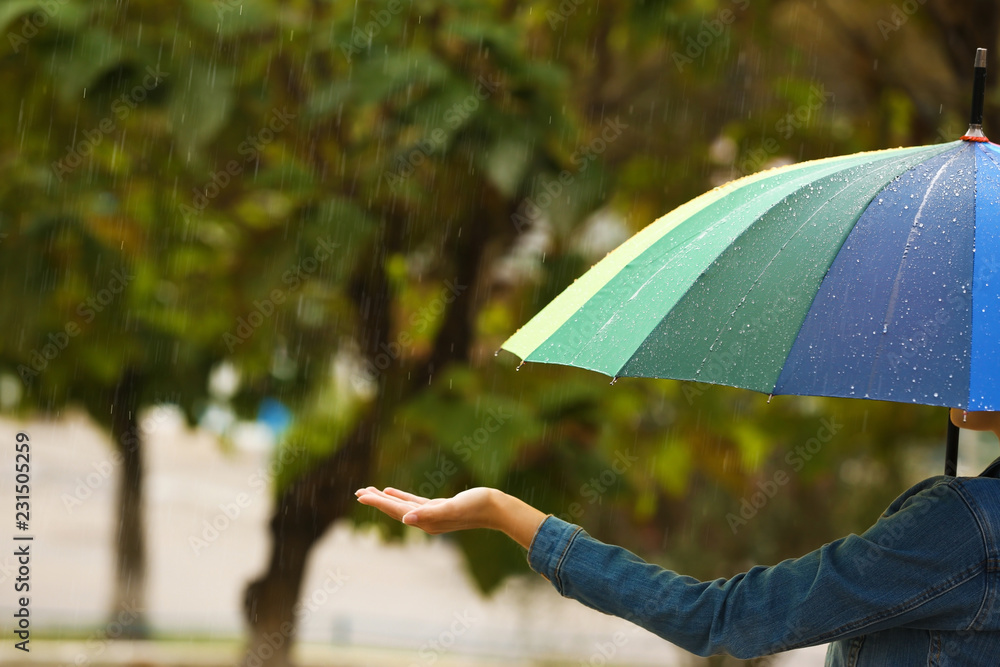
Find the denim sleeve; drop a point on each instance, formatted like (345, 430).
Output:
(921, 565)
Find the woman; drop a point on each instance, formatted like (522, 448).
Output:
(920, 587)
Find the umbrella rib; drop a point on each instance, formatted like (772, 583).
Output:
(894, 296)
(759, 279)
(681, 245)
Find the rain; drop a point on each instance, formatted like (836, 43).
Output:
(702, 279)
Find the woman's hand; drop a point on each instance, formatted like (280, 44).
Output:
(480, 507)
(469, 509)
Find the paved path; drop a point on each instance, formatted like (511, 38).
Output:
(206, 517)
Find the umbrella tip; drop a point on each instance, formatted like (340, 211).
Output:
(980, 58)
(519, 365)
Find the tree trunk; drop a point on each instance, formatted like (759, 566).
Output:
(128, 611)
(313, 502)
(304, 512)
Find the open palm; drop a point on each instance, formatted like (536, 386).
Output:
(465, 510)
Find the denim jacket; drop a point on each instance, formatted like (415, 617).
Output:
(920, 587)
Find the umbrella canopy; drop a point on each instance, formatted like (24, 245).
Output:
(875, 275)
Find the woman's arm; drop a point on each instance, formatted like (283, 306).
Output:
(480, 507)
(923, 562)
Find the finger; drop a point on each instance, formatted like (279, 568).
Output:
(404, 495)
(392, 510)
(374, 491)
(392, 506)
(389, 493)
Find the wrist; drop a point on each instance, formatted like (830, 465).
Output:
(514, 517)
(497, 512)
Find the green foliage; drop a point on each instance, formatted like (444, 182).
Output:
(277, 137)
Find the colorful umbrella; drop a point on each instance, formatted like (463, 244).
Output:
(875, 275)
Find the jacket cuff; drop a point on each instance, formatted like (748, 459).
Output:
(549, 546)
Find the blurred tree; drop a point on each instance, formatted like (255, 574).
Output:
(354, 204)
(126, 288)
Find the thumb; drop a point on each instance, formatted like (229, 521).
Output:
(410, 518)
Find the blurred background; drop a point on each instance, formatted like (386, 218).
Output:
(257, 254)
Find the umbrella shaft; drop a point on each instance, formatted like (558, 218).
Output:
(978, 93)
(951, 453)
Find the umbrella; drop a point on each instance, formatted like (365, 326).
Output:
(874, 275)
